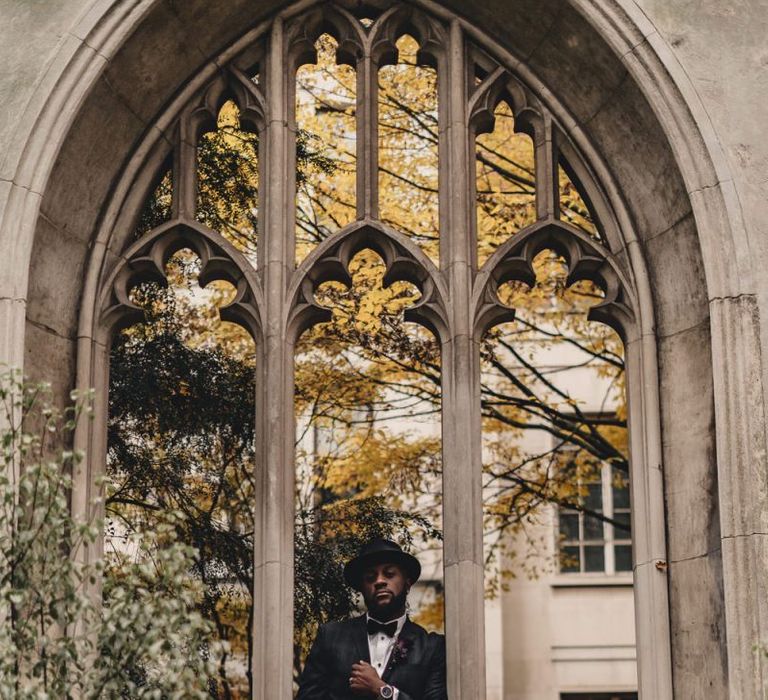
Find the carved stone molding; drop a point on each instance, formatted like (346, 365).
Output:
(499, 85)
(356, 41)
(232, 83)
(585, 258)
(403, 261)
(302, 33)
(406, 19)
(145, 262)
(200, 116)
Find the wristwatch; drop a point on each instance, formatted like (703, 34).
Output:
(386, 692)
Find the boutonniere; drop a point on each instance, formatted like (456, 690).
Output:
(399, 653)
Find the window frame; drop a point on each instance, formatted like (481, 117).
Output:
(274, 305)
(609, 541)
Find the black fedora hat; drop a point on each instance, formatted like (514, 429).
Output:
(379, 551)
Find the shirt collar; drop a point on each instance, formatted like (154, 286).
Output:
(400, 622)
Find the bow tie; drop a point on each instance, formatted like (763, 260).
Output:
(374, 626)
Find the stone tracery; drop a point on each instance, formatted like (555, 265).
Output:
(456, 299)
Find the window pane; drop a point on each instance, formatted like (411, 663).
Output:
(228, 180)
(594, 497)
(181, 442)
(157, 208)
(594, 558)
(326, 142)
(505, 183)
(625, 532)
(569, 526)
(408, 137)
(593, 528)
(621, 492)
(550, 362)
(368, 449)
(569, 559)
(623, 557)
(573, 208)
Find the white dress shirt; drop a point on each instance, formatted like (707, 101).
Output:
(380, 647)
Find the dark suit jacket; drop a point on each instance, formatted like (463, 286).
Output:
(338, 645)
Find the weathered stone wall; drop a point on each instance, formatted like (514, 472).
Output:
(721, 49)
(673, 98)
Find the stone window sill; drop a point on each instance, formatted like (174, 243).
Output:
(591, 580)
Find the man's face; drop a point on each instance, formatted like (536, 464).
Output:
(384, 588)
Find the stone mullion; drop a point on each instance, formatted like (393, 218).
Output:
(650, 566)
(274, 507)
(462, 466)
(545, 159)
(184, 199)
(367, 141)
(91, 438)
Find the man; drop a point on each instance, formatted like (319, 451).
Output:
(381, 654)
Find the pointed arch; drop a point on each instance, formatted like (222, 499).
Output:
(55, 167)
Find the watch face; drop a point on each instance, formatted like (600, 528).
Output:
(387, 691)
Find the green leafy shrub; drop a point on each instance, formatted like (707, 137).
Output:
(126, 626)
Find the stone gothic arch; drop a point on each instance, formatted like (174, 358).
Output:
(676, 269)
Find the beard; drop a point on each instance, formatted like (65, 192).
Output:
(394, 608)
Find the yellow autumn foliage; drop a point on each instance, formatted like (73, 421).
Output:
(367, 385)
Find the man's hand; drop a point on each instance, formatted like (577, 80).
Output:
(364, 680)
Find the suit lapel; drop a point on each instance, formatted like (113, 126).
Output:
(406, 642)
(360, 639)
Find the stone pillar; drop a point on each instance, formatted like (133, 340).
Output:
(16, 204)
(274, 511)
(650, 565)
(462, 458)
(743, 488)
